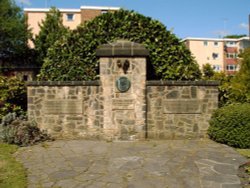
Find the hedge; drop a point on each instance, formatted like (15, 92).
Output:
(231, 125)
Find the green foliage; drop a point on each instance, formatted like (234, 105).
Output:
(230, 125)
(12, 173)
(208, 71)
(13, 31)
(51, 29)
(224, 87)
(18, 131)
(235, 89)
(13, 96)
(234, 36)
(73, 57)
(238, 86)
(239, 90)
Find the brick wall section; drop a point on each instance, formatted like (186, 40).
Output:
(87, 15)
(178, 109)
(67, 109)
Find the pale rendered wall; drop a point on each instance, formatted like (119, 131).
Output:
(203, 54)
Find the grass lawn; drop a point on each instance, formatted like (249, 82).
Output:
(12, 173)
(246, 167)
(244, 152)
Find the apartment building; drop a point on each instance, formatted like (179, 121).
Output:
(71, 17)
(221, 54)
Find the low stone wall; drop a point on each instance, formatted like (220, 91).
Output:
(67, 109)
(179, 109)
(174, 109)
(123, 105)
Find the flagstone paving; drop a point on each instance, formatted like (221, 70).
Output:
(141, 164)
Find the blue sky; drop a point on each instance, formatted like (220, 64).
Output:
(187, 18)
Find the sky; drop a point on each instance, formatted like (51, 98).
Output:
(186, 18)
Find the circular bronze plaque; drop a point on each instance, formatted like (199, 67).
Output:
(123, 84)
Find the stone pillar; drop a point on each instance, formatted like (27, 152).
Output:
(123, 80)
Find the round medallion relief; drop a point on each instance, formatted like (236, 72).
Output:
(123, 84)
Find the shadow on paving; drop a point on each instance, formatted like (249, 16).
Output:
(142, 164)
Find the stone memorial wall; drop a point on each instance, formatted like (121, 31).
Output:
(66, 109)
(177, 109)
(122, 104)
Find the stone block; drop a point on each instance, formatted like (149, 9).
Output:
(195, 128)
(40, 90)
(173, 95)
(57, 128)
(70, 126)
(31, 92)
(129, 122)
(194, 92)
(74, 118)
(51, 96)
(30, 100)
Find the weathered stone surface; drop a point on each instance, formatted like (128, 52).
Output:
(185, 110)
(182, 106)
(172, 95)
(72, 107)
(159, 164)
(122, 48)
(125, 111)
(62, 106)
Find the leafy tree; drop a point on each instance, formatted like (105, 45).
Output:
(234, 36)
(51, 29)
(73, 57)
(240, 87)
(208, 71)
(224, 87)
(13, 31)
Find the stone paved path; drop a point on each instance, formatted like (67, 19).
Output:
(147, 164)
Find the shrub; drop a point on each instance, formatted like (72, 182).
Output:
(13, 96)
(208, 71)
(73, 56)
(231, 125)
(19, 131)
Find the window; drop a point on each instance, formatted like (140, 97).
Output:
(205, 43)
(217, 67)
(104, 11)
(231, 67)
(215, 55)
(216, 44)
(70, 17)
(25, 77)
(231, 43)
(232, 55)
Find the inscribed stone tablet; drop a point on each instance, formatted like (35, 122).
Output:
(63, 107)
(123, 104)
(182, 106)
